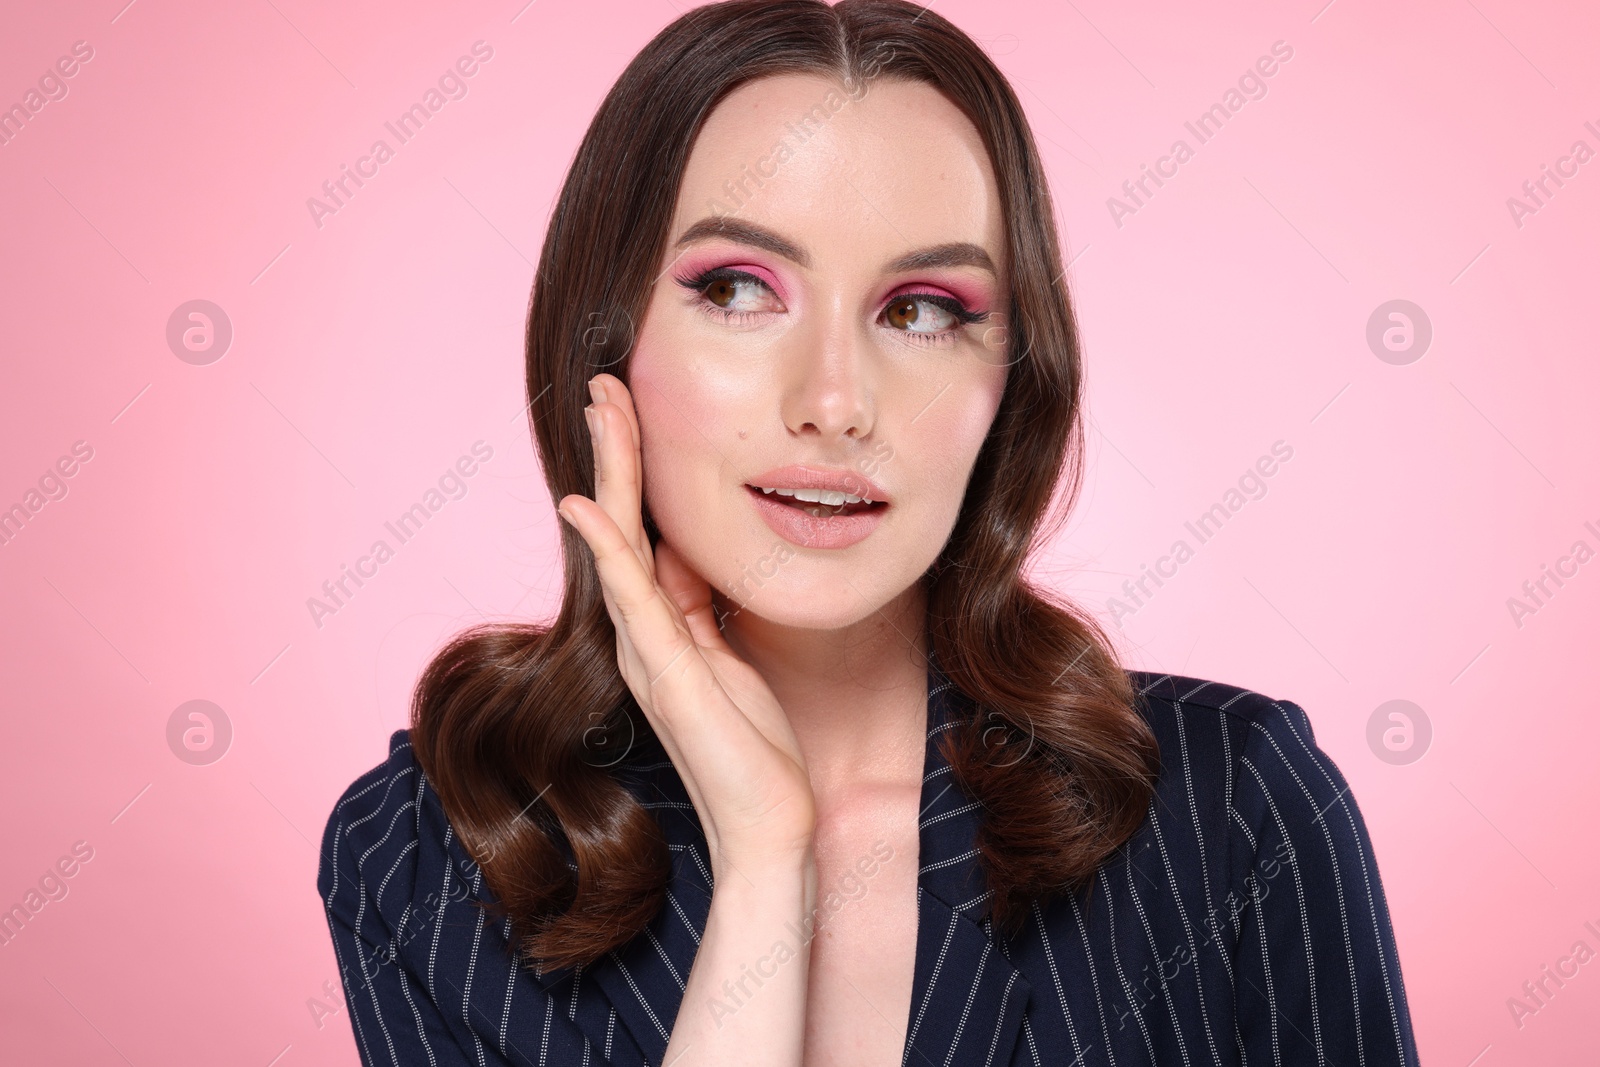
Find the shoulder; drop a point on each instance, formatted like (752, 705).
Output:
(369, 809)
(1226, 721)
(375, 825)
(1163, 699)
(1258, 754)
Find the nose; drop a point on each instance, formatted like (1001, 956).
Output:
(828, 379)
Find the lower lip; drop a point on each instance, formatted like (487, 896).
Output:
(808, 531)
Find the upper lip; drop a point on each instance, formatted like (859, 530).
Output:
(800, 476)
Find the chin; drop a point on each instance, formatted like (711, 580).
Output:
(835, 609)
(788, 586)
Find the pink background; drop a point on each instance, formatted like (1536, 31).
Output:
(1227, 313)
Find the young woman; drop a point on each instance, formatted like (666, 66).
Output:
(804, 771)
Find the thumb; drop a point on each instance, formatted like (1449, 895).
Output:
(691, 593)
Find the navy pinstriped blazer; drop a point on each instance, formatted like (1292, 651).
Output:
(1245, 923)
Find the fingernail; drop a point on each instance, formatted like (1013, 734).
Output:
(597, 391)
(596, 427)
(565, 514)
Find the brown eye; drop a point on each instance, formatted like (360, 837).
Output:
(902, 313)
(731, 295)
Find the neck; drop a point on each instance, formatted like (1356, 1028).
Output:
(856, 697)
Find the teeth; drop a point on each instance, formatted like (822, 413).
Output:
(816, 496)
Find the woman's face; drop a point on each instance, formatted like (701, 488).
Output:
(827, 317)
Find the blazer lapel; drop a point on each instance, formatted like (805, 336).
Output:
(967, 1000)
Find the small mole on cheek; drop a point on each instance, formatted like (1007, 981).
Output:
(743, 434)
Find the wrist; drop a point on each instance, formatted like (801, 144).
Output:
(789, 878)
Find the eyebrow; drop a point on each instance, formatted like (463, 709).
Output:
(952, 254)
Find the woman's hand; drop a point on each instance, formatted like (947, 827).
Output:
(719, 722)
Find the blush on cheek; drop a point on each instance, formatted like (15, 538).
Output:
(675, 419)
(681, 448)
(963, 424)
(694, 406)
(950, 433)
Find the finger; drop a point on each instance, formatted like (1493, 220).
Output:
(692, 594)
(618, 393)
(618, 487)
(660, 639)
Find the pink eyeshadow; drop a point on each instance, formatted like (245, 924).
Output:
(696, 263)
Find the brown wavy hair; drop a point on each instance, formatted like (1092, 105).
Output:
(512, 721)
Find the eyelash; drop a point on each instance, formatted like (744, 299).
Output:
(697, 284)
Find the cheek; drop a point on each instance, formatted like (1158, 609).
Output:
(953, 430)
(684, 437)
(666, 444)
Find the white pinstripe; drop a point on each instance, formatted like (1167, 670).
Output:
(1338, 885)
(444, 903)
(1127, 990)
(1094, 975)
(666, 959)
(1300, 896)
(1266, 970)
(927, 995)
(1033, 1046)
(422, 1033)
(472, 966)
(1372, 909)
(1161, 979)
(694, 933)
(1005, 998)
(511, 987)
(966, 1012)
(640, 994)
(1055, 976)
(338, 955)
(1205, 882)
(361, 910)
(544, 1034)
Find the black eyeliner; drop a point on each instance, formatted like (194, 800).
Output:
(719, 274)
(947, 303)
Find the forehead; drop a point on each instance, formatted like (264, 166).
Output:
(897, 165)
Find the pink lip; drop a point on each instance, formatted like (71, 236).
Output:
(808, 531)
(799, 476)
